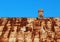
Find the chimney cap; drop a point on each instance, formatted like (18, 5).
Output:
(40, 10)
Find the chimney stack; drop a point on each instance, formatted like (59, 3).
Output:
(40, 14)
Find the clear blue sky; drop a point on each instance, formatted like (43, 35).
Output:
(29, 8)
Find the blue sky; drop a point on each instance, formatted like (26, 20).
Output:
(29, 8)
